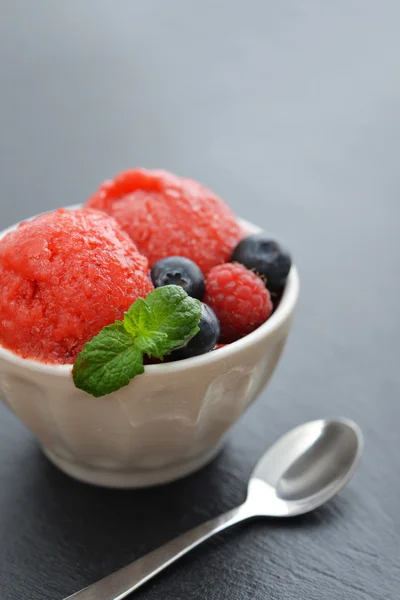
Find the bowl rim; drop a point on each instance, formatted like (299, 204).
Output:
(281, 314)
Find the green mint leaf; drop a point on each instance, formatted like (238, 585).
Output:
(166, 319)
(153, 344)
(173, 313)
(138, 317)
(108, 362)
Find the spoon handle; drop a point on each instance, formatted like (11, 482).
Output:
(128, 579)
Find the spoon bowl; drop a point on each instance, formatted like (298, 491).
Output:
(306, 467)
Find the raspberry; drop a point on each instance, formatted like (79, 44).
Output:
(239, 299)
(166, 215)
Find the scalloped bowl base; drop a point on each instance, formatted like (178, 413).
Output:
(133, 479)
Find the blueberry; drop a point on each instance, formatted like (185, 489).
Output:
(177, 270)
(204, 340)
(266, 257)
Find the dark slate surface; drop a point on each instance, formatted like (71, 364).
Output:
(290, 110)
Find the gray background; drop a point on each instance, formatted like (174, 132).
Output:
(290, 111)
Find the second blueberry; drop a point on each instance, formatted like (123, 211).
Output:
(178, 270)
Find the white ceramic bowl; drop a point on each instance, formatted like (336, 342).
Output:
(166, 423)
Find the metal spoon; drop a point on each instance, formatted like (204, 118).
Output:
(302, 470)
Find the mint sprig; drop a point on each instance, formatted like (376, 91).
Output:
(166, 319)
